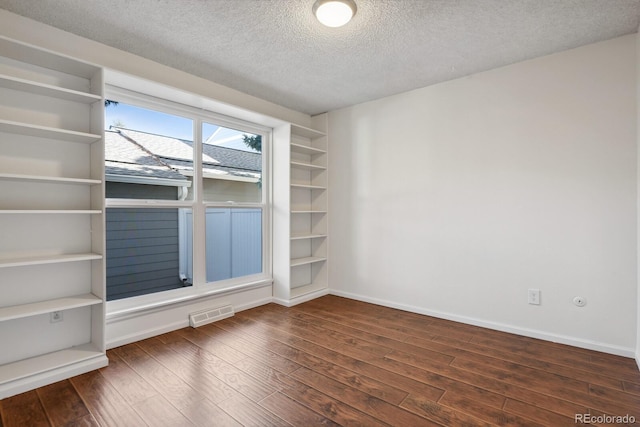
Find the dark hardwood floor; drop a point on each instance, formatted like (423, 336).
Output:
(334, 361)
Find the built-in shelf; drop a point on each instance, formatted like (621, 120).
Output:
(47, 362)
(301, 225)
(51, 211)
(306, 260)
(307, 166)
(47, 132)
(305, 149)
(53, 113)
(312, 211)
(53, 61)
(49, 179)
(307, 289)
(59, 304)
(307, 236)
(306, 132)
(50, 259)
(308, 186)
(15, 83)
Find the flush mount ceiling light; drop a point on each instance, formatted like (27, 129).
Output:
(334, 13)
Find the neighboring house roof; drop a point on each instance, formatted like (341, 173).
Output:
(139, 153)
(123, 158)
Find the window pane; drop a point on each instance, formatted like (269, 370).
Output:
(233, 242)
(148, 154)
(148, 250)
(232, 165)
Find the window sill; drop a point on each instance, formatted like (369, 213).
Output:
(146, 304)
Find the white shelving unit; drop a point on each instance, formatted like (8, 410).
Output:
(300, 224)
(51, 217)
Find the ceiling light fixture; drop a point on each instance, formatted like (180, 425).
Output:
(334, 13)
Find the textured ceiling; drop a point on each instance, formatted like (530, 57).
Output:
(276, 50)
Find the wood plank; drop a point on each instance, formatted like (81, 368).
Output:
(330, 408)
(466, 349)
(62, 403)
(252, 350)
(176, 391)
(479, 387)
(189, 370)
(460, 385)
(213, 346)
(615, 396)
(416, 325)
(227, 373)
(24, 410)
(373, 406)
(441, 414)
(328, 339)
(631, 388)
(366, 335)
(205, 413)
(293, 412)
(156, 411)
(250, 414)
(104, 402)
(537, 414)
(129, 384)
(523, 376)
(615, 363)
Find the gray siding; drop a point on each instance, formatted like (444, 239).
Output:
(121, 190)
(142, 251)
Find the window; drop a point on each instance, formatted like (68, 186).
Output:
(186, 199)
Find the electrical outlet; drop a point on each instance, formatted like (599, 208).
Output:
(534, 296)
(56, 316)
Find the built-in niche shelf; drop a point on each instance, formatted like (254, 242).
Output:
(308, 211)
(49, 212)
(38, 131)
(309, 289)
(307, 236)
(309, 186)
(306, 260)
(48, 259)
(37, 88)
(308, 166)
(47, 306)
(52, 61)
(86, 355)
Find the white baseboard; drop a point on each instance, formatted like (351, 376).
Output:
(132, 327)
(562, 339)
(302, 298)
(51, 376)
(140, 335)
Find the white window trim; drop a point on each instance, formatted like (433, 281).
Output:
(200, 288)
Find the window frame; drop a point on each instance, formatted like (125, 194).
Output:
(198, 206)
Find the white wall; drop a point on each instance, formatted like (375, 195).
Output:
(638, 177)
(454, 199)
